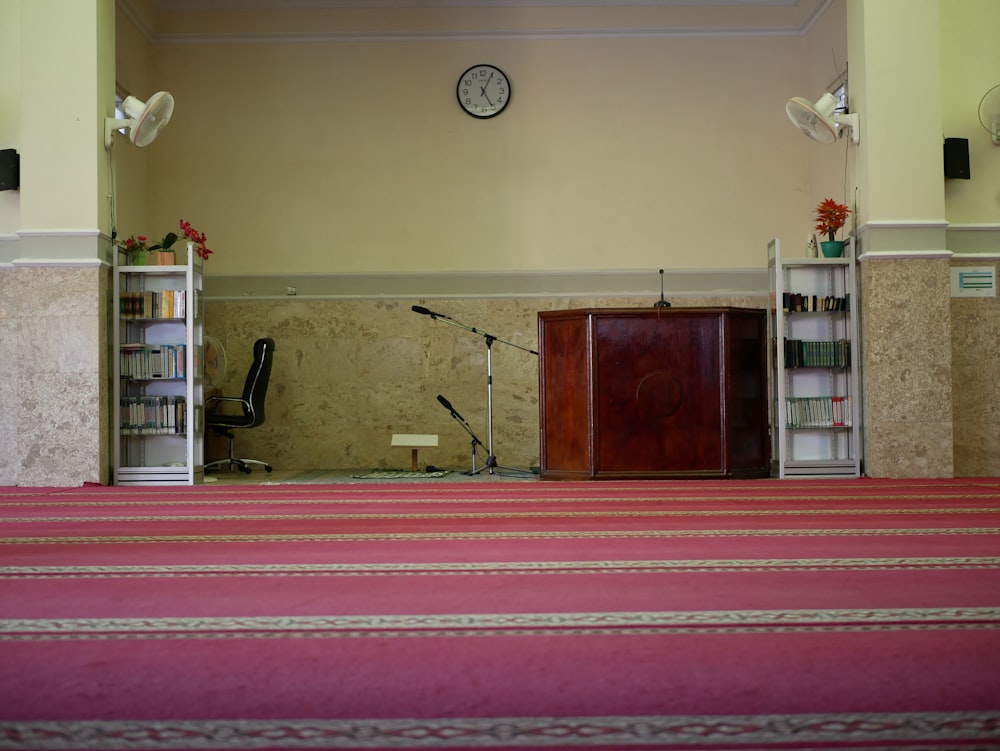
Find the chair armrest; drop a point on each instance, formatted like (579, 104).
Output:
(210, 405)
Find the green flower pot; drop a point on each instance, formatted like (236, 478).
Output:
(832, 248)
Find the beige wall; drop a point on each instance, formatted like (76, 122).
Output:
(620, 150)
(971, 66)
(309, 162)
(620, 172)
(387, 180)
(10, 113)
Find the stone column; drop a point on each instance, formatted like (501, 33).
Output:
(58, 285)
(895, 83)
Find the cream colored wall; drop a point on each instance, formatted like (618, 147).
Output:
(971, 66)
(60, 191)
(339, 173)
(617, 152)
(133, 200)
(831, 168)
(10, 92)
(899, 97)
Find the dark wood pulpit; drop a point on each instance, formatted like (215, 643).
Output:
(653, 393)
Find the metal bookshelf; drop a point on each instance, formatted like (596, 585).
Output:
(814, 353)
(158, 400)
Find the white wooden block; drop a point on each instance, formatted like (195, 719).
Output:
(411, 439)
(413, 442)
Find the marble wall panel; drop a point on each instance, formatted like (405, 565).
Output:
(60, 352)
(8, 379)
(976, 395)
(348, 374)
(906, 367)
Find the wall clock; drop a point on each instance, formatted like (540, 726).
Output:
(483, 91)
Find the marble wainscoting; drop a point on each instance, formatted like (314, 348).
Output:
(54, 375)
(906, 337)
(349, 373)
(975, 362)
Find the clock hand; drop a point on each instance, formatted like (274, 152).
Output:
(482, 89)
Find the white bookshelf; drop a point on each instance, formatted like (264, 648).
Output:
(814, 353)
(158, 401)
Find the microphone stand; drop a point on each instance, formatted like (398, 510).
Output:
(467, 428)
(491, 460)
(662, 302)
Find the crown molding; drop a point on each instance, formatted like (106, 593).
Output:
(463, 36)
(812, 10)
(170, 6)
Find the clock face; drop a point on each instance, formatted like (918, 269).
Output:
(483, 91)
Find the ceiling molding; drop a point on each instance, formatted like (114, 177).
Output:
(170, 6)
(806, 13)
(464, 36)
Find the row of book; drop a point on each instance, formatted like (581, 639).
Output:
(794, 302)
(168, 303)
(819, 412)
(802, 354)
(153, 415)
(146, 362)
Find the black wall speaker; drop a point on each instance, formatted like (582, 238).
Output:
(10, 169)
(956, 158)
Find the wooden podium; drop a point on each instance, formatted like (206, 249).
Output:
(653, 393)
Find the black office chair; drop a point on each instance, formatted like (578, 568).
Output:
(252, 404)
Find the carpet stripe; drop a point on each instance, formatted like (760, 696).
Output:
(550, 535)
(217, 497)
(509, 515)
(945, 730)
(901, 731)
(502, 568)
(506, 624)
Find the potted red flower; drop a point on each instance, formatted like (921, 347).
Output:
(137, 247)
(830, 217)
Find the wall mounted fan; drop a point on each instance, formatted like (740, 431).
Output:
(215, 362)
(144, 120)
(989, 113)
(820, 121)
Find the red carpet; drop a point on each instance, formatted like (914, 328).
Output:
(852, 614)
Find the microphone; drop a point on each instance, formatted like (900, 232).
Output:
(447, 405)
(426, 312)
(661, 303)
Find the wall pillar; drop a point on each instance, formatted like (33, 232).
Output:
(895, 56)
(57, 271)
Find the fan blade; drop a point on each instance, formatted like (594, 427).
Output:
(154, 117)
(989, 113)
(811, 122)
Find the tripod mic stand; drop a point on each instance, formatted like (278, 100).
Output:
(491, 460)
(468, 429)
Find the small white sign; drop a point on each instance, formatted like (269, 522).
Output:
(973, 281)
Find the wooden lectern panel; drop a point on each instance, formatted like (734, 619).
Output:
(678, 392)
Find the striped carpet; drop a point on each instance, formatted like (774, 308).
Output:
(856, 614)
